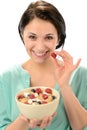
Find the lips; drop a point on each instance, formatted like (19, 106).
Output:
(40, 54)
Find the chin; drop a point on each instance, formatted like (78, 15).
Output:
(40, 61)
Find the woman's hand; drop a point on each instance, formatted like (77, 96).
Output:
(46, 121)
(36, 123)
(64, 68)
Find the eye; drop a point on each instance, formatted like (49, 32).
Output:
(49, 37)
(32, 37)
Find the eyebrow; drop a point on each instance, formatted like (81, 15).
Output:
(36, 34)
(31, 33)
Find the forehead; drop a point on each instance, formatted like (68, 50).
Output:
(40, 26)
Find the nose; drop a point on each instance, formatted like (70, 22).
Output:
(40, 45)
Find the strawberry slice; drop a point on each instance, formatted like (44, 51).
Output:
(53, 55)
(20, 96)
(48, 90)
(45, 96)
(32, 96)
(38, 90)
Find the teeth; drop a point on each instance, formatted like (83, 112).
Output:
(40, 54)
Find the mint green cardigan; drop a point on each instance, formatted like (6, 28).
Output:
(16, 78)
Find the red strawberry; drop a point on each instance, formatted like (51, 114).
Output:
(38, 90)
(53, 55)
(48, 90)
(20, 96)
(45, 96)
(32, 96)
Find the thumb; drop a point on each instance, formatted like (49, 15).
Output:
(56, 61)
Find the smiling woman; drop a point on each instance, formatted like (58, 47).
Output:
(42, 30)
(10, 43)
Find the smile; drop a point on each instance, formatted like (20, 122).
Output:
(40, 54)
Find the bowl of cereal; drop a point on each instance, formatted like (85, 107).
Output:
(37, 102)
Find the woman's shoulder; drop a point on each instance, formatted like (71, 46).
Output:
(81, 71)
(14, 70)
(79, 74)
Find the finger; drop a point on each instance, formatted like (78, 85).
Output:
(54, 114)
(66, 57)
(64, 54)
(57, 62)
(44, 122)
(50, 118)
(33, 123)
(77, 64)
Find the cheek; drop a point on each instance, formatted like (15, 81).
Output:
(52, 46)
(28, 45)
(26, 42)
(28, 48)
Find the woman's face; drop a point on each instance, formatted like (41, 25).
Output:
(40, 38)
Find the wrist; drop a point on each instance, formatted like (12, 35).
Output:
(66, 90)
(24, 120)
(19, 124)
(63, 86)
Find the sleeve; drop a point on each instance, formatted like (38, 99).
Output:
(4, 121)
(84, 87)
(79, 85)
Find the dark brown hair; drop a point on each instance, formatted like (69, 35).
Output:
(45, 11)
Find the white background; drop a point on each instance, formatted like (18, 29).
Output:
(12, 50)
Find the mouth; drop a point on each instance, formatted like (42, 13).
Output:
(40, 54)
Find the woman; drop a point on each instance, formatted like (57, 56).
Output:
(42, 30)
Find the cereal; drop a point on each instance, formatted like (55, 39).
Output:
(37, 96)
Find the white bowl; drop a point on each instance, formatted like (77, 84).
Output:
(38, 111)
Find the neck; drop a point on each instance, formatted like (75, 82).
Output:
(38, 66)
